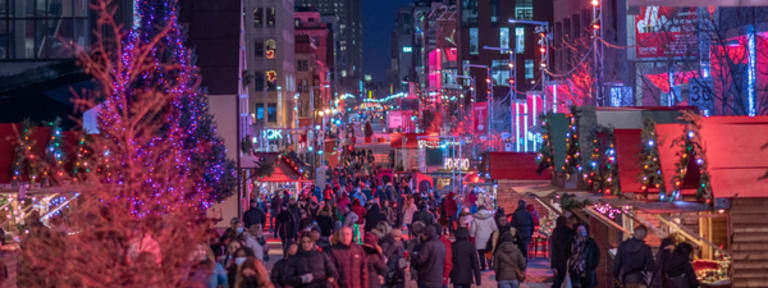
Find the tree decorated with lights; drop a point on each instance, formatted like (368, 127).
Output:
(53, 152)
(602, 175)
(25, 162)
(140, 216)
(691, 149)
(546, 152)
(572, 151)
(650, 165)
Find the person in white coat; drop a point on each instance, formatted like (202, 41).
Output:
(482, 227)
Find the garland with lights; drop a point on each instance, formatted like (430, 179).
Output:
(544, 157)
(81, 168)
(572, 151)
(650, 166)
(54, 154)
(603, 175)
(691, 148)
(24, 160)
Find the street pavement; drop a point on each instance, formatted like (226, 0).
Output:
(538, 274)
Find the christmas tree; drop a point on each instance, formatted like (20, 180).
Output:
(139, 220)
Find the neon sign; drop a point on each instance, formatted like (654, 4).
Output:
(272, 134)
(456, 164)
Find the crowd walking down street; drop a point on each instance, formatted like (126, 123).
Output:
(358, 232)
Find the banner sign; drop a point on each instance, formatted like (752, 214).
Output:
(666, 32)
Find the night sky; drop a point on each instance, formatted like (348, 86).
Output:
(378, 23)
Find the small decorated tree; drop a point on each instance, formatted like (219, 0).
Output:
(546, 152)
(691, 149)
(24, 162)
(572, 151)
(649, 161)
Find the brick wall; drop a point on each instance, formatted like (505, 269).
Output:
(507, 198)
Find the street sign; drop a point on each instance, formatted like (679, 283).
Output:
(700, 93)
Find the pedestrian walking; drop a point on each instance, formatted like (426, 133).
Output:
(522, 220)
(508, 262)
(279, 269)
(350, 261)
(562, 237)
(309, 267)
(254, 215)
(377, 267)
(482, 227)
(634, 260)
(666, 248)
(429, 260)
(465, 262)
(423, 215)
(253, 274)
(585, 256)
(678, 270)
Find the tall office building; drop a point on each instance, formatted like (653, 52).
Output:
(271, 61)
(349, 54)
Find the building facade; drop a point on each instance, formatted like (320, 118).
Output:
(313, 52)
(271, 62)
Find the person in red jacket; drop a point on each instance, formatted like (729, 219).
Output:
(450, 207)
(350, 261)
(448, 265)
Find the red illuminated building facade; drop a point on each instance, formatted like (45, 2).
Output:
(313, 65)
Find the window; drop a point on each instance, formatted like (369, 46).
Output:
(494, 11)
(504, 38)
(260, 112)
(524, 9)
(407, 49)
(258, 81)
(474, 46)
(258, 17)
(469, 12)
(500, 72)
(304, 86)
(271, 113)
(519, 40)
(302, 65)
(271, 48)
(258, 49)
(42, 29)
(528, 68)
(297, 23)
(271, 17)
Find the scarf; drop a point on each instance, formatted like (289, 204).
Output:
(577, 263)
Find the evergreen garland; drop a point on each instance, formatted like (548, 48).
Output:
(546, 152)
(24, 160)
(572, 151)
(54, 154)
(650, 166)
(81, 166)
(691, 148)
(603, 175)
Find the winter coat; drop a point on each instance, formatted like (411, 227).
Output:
(254, 216)
(465, 261)
(448, 265)
(507, 260)
(632, 258)
(325, 222)
(678, 272)
(429, 261)
(449, 206)
(376, 266)
(351, 264)
(423, 216)
(309, 262)
(482, 227)
(278, 273)
(592, 259)
(561, 240)
(408, 214)
(523, 222)
(374, 217)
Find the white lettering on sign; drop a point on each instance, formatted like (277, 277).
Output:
(272, 134)
(456, 163)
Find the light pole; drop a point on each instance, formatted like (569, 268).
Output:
(490, 94)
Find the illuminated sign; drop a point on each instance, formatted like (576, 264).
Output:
(407, 49)
(271, 47)
(456, 164)
(272, 134)
(272, 76)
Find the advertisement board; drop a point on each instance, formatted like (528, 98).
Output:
(480, 117)
(394, 119)
(666, 32)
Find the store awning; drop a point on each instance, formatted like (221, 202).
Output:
(735, 155)
(515, 166)
(628, 147)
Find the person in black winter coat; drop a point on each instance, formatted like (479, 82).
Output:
(430, 259)
(465, 262)
(423, 215)
(309, 267)
(373, 217)
(287, 225)
(561, 240)
(678, 269)
(254, 215)
(666, 248)
(585, 256)
(633, 259)
(278, 270)
(523, 222)
(377, 268)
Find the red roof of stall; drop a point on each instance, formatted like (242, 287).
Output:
(665, 135)
(281, 172)
(411, 139)
(628, 147)
(735, 155)
(515, 166)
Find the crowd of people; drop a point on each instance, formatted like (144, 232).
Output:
(359, 231)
